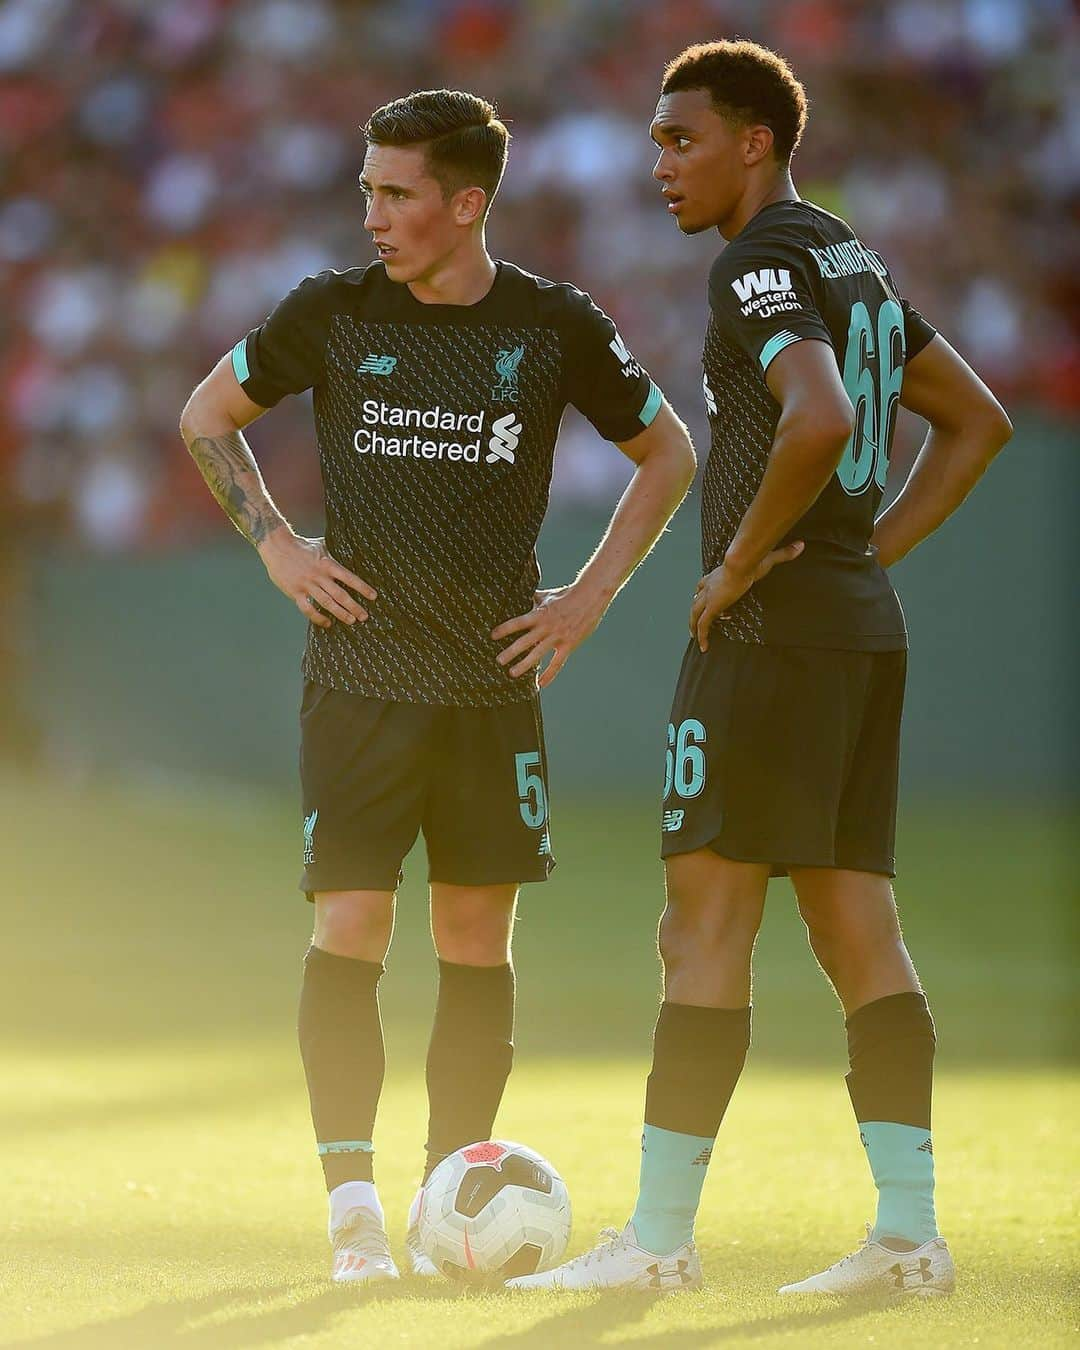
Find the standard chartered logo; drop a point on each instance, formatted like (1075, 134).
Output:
(505, 434)
(434, 433)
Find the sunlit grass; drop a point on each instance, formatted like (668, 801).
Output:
(159, 1183)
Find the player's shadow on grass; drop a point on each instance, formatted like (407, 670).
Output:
(593, 1325)
(163, 1324)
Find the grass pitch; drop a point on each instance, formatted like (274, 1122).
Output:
(159, 1184)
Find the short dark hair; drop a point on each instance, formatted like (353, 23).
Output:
(465, 142)
(747, 83)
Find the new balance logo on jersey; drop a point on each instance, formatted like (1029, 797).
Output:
(545, 845)
(309, 836)
(630, 367)
(672, 821)
(505, 434)
(764, 292)
(710, 397)
(377, 365)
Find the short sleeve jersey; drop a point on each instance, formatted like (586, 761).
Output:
(796, 273)
(436, 429)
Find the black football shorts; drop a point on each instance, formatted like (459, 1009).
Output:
(375, 773)
(785, 755)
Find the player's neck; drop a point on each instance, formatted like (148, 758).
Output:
(464, 278)
(756, 197)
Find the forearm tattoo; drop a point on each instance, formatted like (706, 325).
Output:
(233, 477)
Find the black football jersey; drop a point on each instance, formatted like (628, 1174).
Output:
(436, 428)
(796, 272)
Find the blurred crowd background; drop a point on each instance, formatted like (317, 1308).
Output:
(171, 168)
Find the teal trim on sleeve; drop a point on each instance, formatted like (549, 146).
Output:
(346, 1146)
(775, 346)
(239, 361)
(652, 405)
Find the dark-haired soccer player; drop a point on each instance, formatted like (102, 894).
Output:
(439, 377)
(783, 740)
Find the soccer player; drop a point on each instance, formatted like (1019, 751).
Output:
(783, 741)
(439, 377)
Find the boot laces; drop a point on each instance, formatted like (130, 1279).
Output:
(361, 1232)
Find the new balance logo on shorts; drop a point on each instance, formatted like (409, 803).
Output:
(703, 1158)
(377, 365)
(672, 821)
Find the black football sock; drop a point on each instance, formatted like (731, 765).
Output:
(891, 1045)
(698, 1055)
(469, 1057)
(341, 1042)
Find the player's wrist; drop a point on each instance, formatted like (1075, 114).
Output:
(277, 537)
(739, 563)
(596, 592)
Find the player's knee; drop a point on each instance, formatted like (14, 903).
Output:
(353, 924)
(854, 945)
(474, 937)
(691, 934)
(824, 951)
(472, 926)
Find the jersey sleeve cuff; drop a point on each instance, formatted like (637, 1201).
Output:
(250, 381)
(775, 346)
(652, 405)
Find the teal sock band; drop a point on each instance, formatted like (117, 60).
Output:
(673, 1168)
(902, 1160)
(346, 1146)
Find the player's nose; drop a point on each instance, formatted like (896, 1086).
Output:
(661, 169)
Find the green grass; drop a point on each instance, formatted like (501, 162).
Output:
(159, 1185)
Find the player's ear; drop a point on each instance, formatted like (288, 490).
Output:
(757, 143)
(469, 205)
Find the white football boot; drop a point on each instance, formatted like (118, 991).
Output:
(925, 1272)
(361, 1250)
(421, 1263)
(619, 1263)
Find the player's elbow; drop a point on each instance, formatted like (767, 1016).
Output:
(823, 432)
(996, 427)
(685, 460)
(202, 418)
(193, 419)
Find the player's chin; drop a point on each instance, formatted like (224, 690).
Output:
(689, 225)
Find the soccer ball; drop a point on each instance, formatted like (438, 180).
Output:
(494, 1210)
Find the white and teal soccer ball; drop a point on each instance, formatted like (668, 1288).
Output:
(494, 1210)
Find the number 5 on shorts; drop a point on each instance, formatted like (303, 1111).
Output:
(684, 764)
(531, 792)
